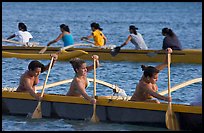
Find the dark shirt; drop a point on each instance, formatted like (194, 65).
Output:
(171, 42)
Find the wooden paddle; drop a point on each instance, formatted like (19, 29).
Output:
(94, 117)
(21, 43)
(37, 113)
(86, 40)
(115, 51)
(110, 46)
(64, 48)
(43, 50)
(171, 120)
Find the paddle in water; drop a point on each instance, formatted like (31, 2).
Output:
(94, 117)
(38, 113)
(115, 51)
(171, 120)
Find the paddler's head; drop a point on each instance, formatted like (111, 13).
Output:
(150, 74)
(35, 68)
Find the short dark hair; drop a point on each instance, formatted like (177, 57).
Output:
(22, 26)
(65, 27)
(96, 26)
(168, 31)
(149, 70)
(132, 27)
(36, 64)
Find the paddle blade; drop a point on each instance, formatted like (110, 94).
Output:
(94, 117)
(115, 51)
(37, 113)
(43, 50)
(171, 120)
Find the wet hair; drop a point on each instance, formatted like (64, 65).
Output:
(22, 26)
(76, 63)
(168, 31)
(132, 27)
(149, 70)
(96, 26)
(36, 64)
(65, 27)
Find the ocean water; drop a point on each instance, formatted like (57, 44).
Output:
(43, 20)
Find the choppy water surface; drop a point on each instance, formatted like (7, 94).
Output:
(43, 20)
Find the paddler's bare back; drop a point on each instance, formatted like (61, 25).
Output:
(141, 94)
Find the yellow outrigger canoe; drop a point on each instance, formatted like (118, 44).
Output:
(63, 56)
(191, 56)
(109, 110)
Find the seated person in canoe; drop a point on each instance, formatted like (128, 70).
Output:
(170, 40)
(80, 83)
(66, 36)
(23, 35)
(146, 89)
(30, 78)
(97, 34)
(135, 38)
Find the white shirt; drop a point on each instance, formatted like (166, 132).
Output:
(138, 41)
(23, 36)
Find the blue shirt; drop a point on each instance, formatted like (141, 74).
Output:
(68, 40)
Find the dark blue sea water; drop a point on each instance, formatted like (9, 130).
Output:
(43, 20)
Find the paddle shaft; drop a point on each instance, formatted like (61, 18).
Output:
(43, 50)
(169, 83)
(37, 113)
(48, 73)
(94, 79)
(100, 47)
(86, 40)
(171, 120)
(70, 46)
(94, 118)
(64, 48)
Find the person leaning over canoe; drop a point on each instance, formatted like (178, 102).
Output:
(30, 78)
(23, 35)
(135, 38)
(80, 82)
(97, 34)
(66, 36)
(146, 90)
(170, 40)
